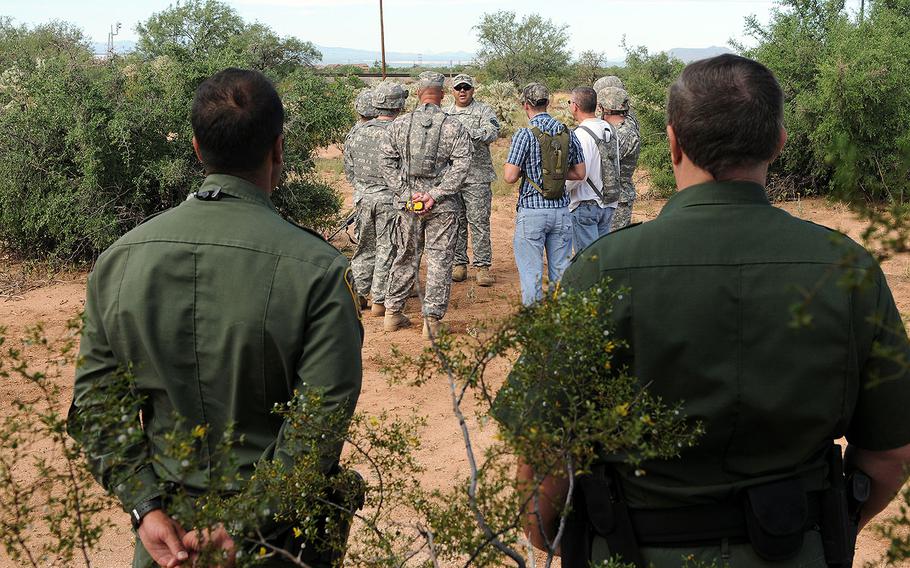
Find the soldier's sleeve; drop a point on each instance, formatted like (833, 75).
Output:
(390, 159)
(124, 469)
(331, 361)
(462, 150)
(489, 126)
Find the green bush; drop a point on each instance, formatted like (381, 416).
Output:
(647, 78)
(847, 97)
(90, 148)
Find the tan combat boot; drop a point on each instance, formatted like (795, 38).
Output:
(459, 273)
(431, 324)
(484, 278)
(378, 310)
(395, 321)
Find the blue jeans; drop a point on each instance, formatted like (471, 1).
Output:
(590, 222)
(536, 231)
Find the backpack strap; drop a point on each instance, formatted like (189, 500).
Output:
(588, 179)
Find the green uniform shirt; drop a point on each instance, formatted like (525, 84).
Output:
(224, 309)
(711, 285)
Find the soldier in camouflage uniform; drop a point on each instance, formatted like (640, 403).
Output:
(614, 102)
(483, 128)
(372, 198)
(425, 158)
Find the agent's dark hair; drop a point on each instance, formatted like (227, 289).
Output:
(585, 98)
(726, 112)
(237, 115)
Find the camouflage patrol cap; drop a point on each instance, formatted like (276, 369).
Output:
(463, 79)
(535, 94)
(430, 79)
(613, 99)
(608, 81)
(363, 104)
(389, 95)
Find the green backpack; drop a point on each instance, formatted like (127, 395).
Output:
(554, 161)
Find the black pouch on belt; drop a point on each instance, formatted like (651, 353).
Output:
(776, 518)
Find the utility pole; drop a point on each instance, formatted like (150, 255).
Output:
(382, 37)
(115, 30)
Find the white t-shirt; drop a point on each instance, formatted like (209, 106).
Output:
(580, 190)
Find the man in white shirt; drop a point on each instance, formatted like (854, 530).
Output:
(592, 207)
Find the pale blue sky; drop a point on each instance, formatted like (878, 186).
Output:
(429, 26)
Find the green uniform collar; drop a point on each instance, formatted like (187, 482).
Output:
(237, 187)
(718, 193)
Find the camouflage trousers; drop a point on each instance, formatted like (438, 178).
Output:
(622, 216)
(478, 201)
(373, 258)
(438, 233)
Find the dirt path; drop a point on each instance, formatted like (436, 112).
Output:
(443, 452)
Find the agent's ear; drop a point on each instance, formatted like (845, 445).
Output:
(196, 149)
(676, 153)
(781, 143)
(278, 151)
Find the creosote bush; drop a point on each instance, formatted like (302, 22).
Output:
(89, 147)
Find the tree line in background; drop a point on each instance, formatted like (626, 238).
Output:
(90, 147)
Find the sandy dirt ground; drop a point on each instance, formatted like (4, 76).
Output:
(443, 453)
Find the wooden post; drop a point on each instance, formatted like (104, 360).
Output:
(382, 37)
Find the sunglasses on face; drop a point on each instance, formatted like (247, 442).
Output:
(463, 87)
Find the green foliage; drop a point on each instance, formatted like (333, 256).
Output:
(90, 148)
(845, 82)
(647, 78)
(563, 407)
(521, 51)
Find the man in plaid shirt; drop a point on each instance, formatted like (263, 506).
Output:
(541, 224)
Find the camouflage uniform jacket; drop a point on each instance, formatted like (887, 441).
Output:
(362, 165)
(629, 149)
(426, 150)
(483, 128)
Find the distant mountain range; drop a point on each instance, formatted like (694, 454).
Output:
(346, 55)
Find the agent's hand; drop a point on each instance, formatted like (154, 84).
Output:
(217, 539)
(426, 199)
(161, 536)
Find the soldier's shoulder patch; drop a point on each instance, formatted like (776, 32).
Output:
(494, 122)
(349, 281)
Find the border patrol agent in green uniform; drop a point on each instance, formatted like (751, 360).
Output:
(223, 309)
(712, 283)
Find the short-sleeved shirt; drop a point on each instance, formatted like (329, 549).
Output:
(712, 285)
(524, 152)
(581, 190)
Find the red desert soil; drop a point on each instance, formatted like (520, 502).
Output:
(443, 453)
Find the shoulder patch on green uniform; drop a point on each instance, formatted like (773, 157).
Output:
(349, 280)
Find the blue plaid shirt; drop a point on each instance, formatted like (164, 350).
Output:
(525, 153)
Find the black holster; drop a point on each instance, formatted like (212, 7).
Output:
(599, 509)
(841, 506)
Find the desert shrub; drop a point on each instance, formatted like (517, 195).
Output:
(847, 94)
(647, 77)
(90, 148)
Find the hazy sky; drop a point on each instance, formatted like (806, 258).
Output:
(428, 26)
